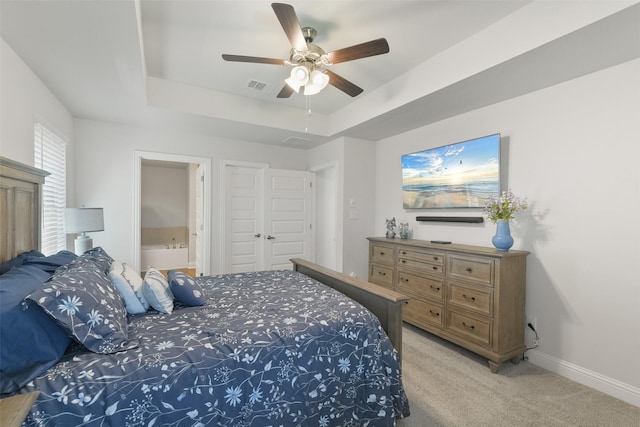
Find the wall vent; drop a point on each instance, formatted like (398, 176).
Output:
(260, 86)
(296, 140)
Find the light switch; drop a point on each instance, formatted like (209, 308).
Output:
(353, 214)
(352, 202)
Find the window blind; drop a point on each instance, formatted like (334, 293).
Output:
(50, 154)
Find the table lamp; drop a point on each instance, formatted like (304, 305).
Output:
(83, 221)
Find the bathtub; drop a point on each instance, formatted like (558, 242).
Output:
(163, 258)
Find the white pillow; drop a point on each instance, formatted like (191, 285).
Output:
(156, 291)
(129, 284)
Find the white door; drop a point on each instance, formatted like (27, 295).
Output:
(243, 245)
(287, 217)
(267, 218)
(199, 225)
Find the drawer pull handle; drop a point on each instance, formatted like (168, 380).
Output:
(434, 288)
(435, 258)
(435, 268)
(382, 273)
(468, 269)
(404, 279)
(465, 296)
(403, 261)
(471, 327)
(381, 253)
(434, 314)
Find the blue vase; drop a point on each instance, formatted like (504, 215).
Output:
(502, 240)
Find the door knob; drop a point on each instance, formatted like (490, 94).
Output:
(257, 235)
(270, 237)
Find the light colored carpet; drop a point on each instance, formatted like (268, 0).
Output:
(450, 386)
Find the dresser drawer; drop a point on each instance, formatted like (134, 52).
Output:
(382, 254)
(478, 270)
(381, 275)
(420, 286)
(478, 300)
(420, 313)
(420, 266)
(471, 328)
(428, 257)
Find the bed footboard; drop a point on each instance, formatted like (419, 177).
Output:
(384, 303)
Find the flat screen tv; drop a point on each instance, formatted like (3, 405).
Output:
(461, 175)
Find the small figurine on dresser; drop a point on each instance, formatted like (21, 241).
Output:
(391, 228)
(404, 230)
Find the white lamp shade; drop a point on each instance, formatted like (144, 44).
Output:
(317, 81)
(299, 77)
(83, 220)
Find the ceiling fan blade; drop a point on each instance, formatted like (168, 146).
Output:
(363, 50)
(286, 14)
(254, 59)
(285, 92)
(343, 84)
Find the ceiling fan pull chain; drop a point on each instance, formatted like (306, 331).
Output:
(308, 111)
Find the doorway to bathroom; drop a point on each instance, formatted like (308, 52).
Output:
(172, 211)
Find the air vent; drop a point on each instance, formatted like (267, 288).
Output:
(296, 140)
(260, 86)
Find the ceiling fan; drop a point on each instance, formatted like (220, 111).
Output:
(310, 63)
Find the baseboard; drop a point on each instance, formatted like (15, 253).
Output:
(615, 388)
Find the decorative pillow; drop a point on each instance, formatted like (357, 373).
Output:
(32, 341)
(86, 303)
(52, 262)
(185, 289)
(100, 257)
(19, 260)
(156, 291)
(129, 283)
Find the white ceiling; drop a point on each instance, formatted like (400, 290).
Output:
(158, 62)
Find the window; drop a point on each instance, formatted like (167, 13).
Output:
(50, 154)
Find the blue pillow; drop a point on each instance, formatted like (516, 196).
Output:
(185, 289)
(85, 302)
(32, 341)
(50, 263)
(19, 260)
(93, 257)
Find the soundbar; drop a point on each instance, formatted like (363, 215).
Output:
(469, 219)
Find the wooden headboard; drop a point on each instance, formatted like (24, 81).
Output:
(20, 207)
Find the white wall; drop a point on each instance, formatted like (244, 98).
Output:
(23, 99)
(356, 173)
(164, 196)
(105, 169)
(573, 151)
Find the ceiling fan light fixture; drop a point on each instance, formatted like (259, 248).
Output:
(317, 81)
(298, 78)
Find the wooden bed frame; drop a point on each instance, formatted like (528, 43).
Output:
(20, 210)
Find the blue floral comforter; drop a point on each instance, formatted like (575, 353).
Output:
(269, 348)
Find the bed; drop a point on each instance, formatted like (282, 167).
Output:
(307, 346)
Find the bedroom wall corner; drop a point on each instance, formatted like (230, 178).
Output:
(356, 158)
(23, 98)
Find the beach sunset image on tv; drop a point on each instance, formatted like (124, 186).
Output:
(461, 175)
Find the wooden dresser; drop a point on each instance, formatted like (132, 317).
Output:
(472, 296)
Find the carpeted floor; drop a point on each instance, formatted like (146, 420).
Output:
(449, 386)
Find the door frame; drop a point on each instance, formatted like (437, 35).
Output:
(337, 218)
(205, 162)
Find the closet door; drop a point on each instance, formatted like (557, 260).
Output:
(267, 218)
(287, 217)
